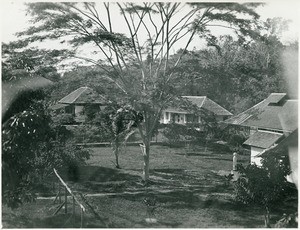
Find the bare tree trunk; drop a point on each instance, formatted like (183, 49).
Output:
(116, 152)
(146, 158)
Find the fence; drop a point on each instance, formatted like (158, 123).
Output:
(65, 203)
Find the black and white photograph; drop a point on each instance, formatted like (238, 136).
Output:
(158, 114)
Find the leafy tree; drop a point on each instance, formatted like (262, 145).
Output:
(264, 186)
(122, 56)
(116, 124)
(32, 146)
(19, 62)
(236, 75)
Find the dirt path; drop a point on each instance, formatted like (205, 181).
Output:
(124, 193)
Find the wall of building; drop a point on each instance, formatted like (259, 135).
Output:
(254, 152)
(78, 109)
(79, 113)
(179, 117)
(221, 117)
(182, 117)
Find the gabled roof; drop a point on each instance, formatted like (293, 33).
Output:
(275, 113)
(83, 95)
(256, 109)
(205, 103)
(263, 139)
(283, 118)
(282, 148)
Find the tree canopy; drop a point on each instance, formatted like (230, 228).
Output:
(137, 60)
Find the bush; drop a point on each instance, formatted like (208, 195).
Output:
(64, 119)
(90, 133)
(264, 186)
(32, 146)
(176, 133)
(235, 140)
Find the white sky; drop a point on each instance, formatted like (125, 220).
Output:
(13, 18)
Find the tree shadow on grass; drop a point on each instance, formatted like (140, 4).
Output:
(159, 224)
(176, 199)
(193, 154)
(103, 174)
(102, 179)
(67, 221)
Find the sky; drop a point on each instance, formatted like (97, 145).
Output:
(13, 17)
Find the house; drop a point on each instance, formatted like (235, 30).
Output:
(181, 116)
(237, 121)
(77, 101)
(269, 122)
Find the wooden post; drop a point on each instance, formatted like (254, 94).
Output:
(58, 208)
(59, 197)
(81, 218)
(66, 201)
(73, 205)
(73, 212)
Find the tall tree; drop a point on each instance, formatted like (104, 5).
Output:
(139, 59)
(236, 75)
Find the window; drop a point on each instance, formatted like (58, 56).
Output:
(69, 109)
(191, 118)
(167, 115)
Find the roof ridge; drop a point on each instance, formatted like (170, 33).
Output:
(215, 104)
(268, 131)
(85, 88)
(278, 93)
(203, 101)
(193, 96)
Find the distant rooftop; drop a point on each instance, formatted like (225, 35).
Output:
(256, 109)
(262, 139)
(83, 95)
(206, 103)
(275, 112)
(282, 148)
(284, 118)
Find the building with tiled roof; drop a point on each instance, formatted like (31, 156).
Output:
(76, 102)
(82, 96)
(270, 122)
(287, 148)
(239, 119)
(183, 116)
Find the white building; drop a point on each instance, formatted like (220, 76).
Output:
(269, 122)
(181, 116)
(76, 102)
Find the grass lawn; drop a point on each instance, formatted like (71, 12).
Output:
(188, 187)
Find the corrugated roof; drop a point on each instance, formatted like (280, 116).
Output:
(282, 148)
(256, 109)
(284, 118)
(215, 108)
(263, 139)
(208, 104)
(276, 97)
(83, 95)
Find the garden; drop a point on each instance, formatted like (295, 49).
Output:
(106, 159)
(187, 188)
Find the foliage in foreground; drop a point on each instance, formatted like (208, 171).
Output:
(142, 70)
(32, 146)
(264, 186)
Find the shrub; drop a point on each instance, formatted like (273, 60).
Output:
(64, 119)
(32, 146)
(264, 186)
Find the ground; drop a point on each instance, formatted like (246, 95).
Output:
(188, 188)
